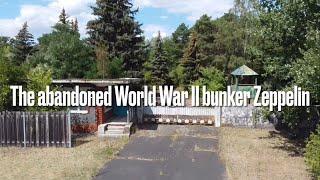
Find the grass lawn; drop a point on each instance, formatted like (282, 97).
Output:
(81, 162)
(260, 154)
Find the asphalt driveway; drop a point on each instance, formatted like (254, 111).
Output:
(168, 152)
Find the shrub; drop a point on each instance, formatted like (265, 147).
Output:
(177, 75)
(38, 79)
(312, 154)
(212, 78)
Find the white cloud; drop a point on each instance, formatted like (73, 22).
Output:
(41, 18)
(192, 8)
(152, 30)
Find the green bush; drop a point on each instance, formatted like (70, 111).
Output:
(212, 78)
(177, 75)
(312, 154)
(38, 79)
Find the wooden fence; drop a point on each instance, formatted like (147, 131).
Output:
(35, 129)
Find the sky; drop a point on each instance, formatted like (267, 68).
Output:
(155, 15)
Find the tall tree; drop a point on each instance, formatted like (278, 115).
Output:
(65, 53)
(116, 28)
(190, 61)
(23, 45)
(10, 74)
(229, 42)
(177, 44)
(249, 27)
(181, 35)
(284, 30)
(63, 17)
(206, 31)
(160, 64)
(289, 31)
(74, 25)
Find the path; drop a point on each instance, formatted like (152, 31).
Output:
(168, 152)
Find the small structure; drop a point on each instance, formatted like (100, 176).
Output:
(113, 121)
(244, 79)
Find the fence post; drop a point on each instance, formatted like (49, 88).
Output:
(17, 116)
(64, 129)
(218, 120)
(37, 129)
(47, 130)
(24, 130)
(69, 128)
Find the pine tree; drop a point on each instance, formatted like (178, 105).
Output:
(65, 25)
(23, 45)
(160, 64)
(63, 18)
(181, 35)
(190, 61)
(180, 40)
(206, 31)
(64, 52)
(116, 28)
(74, 25)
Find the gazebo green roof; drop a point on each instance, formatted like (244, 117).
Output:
(244, 71)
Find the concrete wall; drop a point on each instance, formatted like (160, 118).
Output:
(249, 116)
(234, 116)
(84, 123)
(84, 118)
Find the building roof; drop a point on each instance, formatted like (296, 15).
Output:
(98, 82)
(244, 71)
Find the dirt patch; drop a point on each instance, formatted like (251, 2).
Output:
(81, 162)
(255, 154)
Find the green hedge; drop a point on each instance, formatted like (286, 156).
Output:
(312, 154)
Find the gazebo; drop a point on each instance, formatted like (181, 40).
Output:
(244, 79)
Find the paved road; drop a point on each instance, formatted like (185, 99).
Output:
(168, 153)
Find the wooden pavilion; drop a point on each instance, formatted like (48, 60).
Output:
(244, 79)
